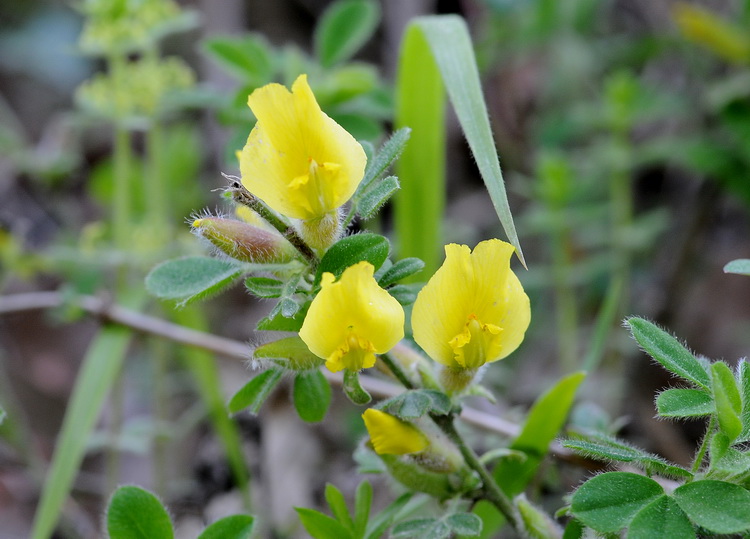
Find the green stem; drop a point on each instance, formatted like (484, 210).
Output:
(704, 445)
(243, 196)
(490, 488)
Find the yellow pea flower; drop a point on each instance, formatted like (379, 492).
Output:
(473, 310)
(298, 160)
(352, 319)
(392, 436)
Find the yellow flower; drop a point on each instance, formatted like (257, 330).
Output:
(298, 160)
(473, 310)
(391, 436)
(352, 319)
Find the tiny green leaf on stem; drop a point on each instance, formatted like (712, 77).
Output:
(352, 249)
(254, 393)
(661, 518)
(362, 504)
(680, 402)
(192, 278)
(387, 154)
(743, 378)
(312, 395)
(337, 503)
(379, 523)
(740, 266)
(668, 351)
(134, 513)
(247, 57)
(321, 526)
(264, 287)
(400, 270)
(371, 201)
(727, 399)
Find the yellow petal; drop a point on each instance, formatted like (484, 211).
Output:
(352, 319)
(297, 159)
(391, 436)
(473, 310)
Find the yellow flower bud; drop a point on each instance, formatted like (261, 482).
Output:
(473, 310)
(298, 160)
(392, 436)
(245, 242)
(352, 319)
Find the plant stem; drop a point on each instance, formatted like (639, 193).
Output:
(704, 445)
(246, 198)
(445, 422)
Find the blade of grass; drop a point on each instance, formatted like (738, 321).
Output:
(420, 105)
(450, 48)
(98, 372)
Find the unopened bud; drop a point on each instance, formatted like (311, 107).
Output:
(536, 523)
(245, 242)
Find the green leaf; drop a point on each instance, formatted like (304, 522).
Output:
(293, 351)
(134, 513)
(416, 403)
(609, 501)
(743, 379)
(352, 249)
(336, 502)
(279, 322)
(661, 518)
(362, 504)
(715, 505)
(606, 448)
(96, 376)
(727, 399)
(321, 526)
(684, 403)
(370, 202)
(248, 57)
(264, 287)
(344, 28)
(353, 388)
(544, 422)
(444, 42)
(254, 393)
(421, 527)
(400, 270)
(192, 278)
(387, 154)
(465, 524)
(405, 294)
(377, 525)
(740, 266)
(668, 352)
(312, 395)
(231, 527)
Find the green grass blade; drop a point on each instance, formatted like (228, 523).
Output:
(449, 47)
(98, 372)
(420, 105)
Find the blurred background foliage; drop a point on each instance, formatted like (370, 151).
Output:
(623, 128)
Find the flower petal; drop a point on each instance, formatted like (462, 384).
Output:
(391, 436)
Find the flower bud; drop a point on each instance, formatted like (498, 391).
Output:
(392, 436)
(245, 242)
(536, 523)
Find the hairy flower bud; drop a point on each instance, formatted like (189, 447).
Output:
(243, 241)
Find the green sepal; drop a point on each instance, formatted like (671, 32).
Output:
(254, 393)
(234, 527)
(135, 513)
(193, 278)
(312, 395)
(416, 403)
(400, 270)
(727, 399)
(668, 352)
(353, 389)
(680, 402)
(346, 252)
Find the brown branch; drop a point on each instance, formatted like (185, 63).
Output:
(230, 348)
